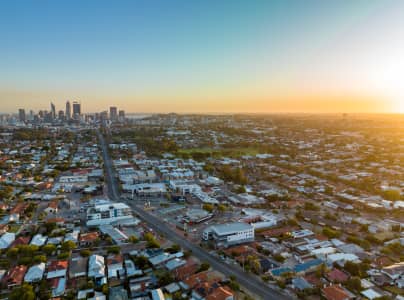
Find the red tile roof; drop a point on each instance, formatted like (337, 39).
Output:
(53, 204)
(22, 240)
(185, 271)
(114, 259)
(58, 265)
(89, 236)
(336, 275)
(221, 293)
(206, 276)
(335, 292)
(15, 275)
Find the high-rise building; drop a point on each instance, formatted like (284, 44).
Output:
(76, 110)
(53, 111)
(113, 113)
(61, 115)
(31, 115)
(21, 115)
(122, 114)
(68, 110)
(104, 115)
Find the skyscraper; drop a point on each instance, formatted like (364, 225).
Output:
(113, 113)
(68, 110)
(61, 115)
(76, 110)
(53, 111)
(21, 114)
(121, 115)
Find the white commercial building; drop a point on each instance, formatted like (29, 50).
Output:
(96, 268)
(229, 234)
(108, 213)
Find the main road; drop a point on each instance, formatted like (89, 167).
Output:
(248, 281)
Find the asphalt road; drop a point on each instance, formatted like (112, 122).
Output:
(248, 281)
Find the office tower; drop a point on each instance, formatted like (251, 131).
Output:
(31, 115)
(61, 115)
(104, 115)
(68, 111)
(121, 114)
(76, 110)
(53, 111)
(113, 113)
(21, 114)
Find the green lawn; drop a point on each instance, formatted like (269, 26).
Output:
(395, 290)
(14, 228)
(232, 152)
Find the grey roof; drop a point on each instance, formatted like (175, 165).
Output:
(230, 228)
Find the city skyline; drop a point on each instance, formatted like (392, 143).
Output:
(208, 57)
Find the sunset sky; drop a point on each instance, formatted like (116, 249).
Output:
(203, 55)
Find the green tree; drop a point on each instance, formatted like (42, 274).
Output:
(204, 267)
(39, 258)
(354, 284)
(68, 246)
(85, 253)
(25, 292)
(49, 249)
(208, 207)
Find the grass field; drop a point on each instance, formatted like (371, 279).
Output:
(232, 152)
(14, 228)
(395, 290)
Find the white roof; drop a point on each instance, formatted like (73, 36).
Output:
(342, 257)
(6, 240)
(96, 266)
(103, 207)
(370, 294)
(35, 273)
(230, 228)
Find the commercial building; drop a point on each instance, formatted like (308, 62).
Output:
(68, 111)
(96, 269)
(21, 115)
(225, 235)
(53, 111)
(76, 110)
(113, 113)
(108, 213)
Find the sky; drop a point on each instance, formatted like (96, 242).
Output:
(203, 56)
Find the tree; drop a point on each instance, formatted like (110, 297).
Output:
(204, 267)
(165, 278)
(331, 233)
(49, 249)
(68, 246)
(114, 249)
(208, 207)
(133, 239)
(392, 195)
(50, 227)
(359, 269)
(142, 262)
(354, 284)
(39, 258)
(85, 253)
(12, 252)
(221, 208)
(241, 189)
(25, 292)
(151, 241)
(105, 289)
(310, 206)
